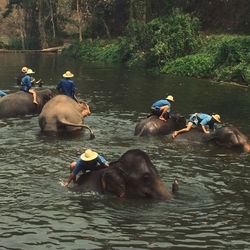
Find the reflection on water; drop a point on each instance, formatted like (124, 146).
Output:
(210, 211)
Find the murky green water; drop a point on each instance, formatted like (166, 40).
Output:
(211, 210)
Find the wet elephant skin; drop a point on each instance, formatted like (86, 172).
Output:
(21, 103)
(133, 175)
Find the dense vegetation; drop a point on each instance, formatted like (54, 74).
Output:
(172, 36)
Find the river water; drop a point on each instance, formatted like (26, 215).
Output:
(211, 210)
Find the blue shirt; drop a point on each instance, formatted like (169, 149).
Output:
(26, 83)
(202, 119)
(160, 103)
(88, 165)
(67, 86)
(2, 94)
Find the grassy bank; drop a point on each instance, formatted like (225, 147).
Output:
(173, 45)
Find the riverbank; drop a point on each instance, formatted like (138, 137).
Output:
(221, 58)
(57, 49)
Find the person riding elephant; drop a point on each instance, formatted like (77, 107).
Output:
(132, 175)
(26, 85)
(21, 103)
(89, 160)
(200, 119)
(161, 108)
(2, 94)
(153, 126)
(67, 85)
(62, 113)
(226, 136)
(21, 75)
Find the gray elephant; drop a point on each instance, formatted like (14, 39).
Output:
(62, 113)
(226, 136)
(154, 126)
(21, 103)
(133, 175)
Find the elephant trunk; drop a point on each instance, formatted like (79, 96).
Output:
(161, 191)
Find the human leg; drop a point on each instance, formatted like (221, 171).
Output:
(188, 127)
(33, 92)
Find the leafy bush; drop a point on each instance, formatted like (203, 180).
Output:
(15, 44)
(171, 37)
(198, 65)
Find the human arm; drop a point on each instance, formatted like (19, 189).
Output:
(69, 180)
(101, 161)
(205, 122)
(205, 130)
(59, 86)
(74, 169)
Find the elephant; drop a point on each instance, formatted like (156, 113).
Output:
(132, 175)
(226, 136)
(62, 113)
(154, 126)
(21, 103)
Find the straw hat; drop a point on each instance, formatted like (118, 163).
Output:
(68, 74)
(30, 71)
(216, 117)
(170, 98)
(89, 155)
(24, 69)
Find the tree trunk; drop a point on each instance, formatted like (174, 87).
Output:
(52, 18)
(79, 20)
(41, 25)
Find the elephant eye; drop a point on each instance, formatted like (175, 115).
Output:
(146, 177)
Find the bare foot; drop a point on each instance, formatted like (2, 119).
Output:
(162, 118)
(174, 134)
(35, 102)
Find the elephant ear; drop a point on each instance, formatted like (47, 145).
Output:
(113, 182)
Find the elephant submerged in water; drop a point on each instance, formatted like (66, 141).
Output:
(133, 175)
(154, 126)
(21, 103)
(62, 113)
(226, 136)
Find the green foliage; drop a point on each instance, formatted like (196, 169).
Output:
(161, 40)
(173, 44)
(223, 58)
(15, 44)
(198, 65)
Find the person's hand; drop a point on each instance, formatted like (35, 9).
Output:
(66, 184)
(207, 132)
(106, 164)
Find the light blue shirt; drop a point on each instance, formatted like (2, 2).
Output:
(88, 165)
(2, 94)
(160, 103)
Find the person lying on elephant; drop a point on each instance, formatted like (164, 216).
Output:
(26, 85)
(67, 86)
(202, 120)
(21, 75)
(2, 94)
(161, 108)
(89, 160)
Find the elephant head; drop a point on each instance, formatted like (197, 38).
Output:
(230, 137)
(84, 108)
(134, 175)
(179, 120)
